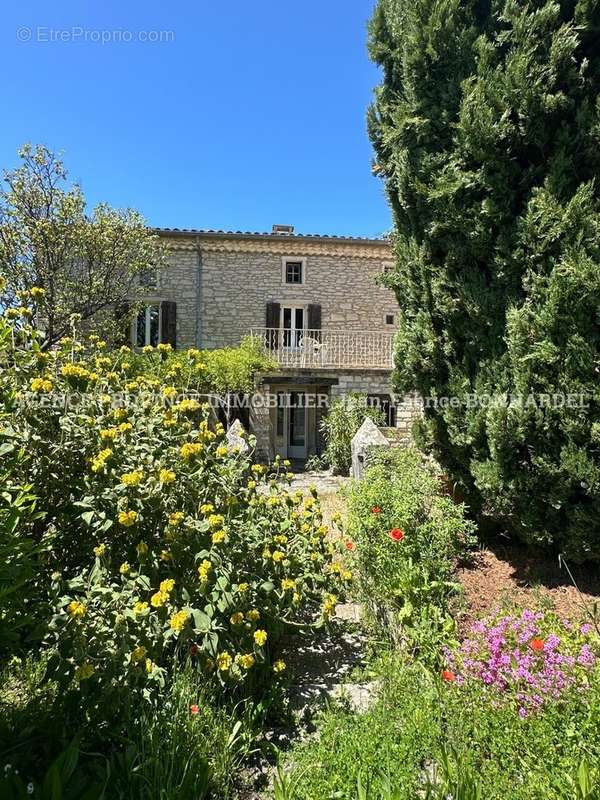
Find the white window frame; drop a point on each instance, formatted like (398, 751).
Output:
(148, 303)
(294, 338)
(295, 259)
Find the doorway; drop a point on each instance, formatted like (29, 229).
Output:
(291, 433)
(292, 324)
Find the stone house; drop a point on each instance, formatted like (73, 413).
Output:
(312, 300)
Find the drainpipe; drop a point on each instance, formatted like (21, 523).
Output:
(199, 295)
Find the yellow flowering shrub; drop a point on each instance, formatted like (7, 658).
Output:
(167, 545)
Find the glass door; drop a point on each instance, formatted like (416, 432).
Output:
(296, 425)
(292, 322)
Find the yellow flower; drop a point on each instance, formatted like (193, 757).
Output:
(246, 661)
(119, 413)
(166, 555)
(218, 537)
(124, 568)
(142, 549)
(279, 666)
(346, 575)
(100, 460)
(84, 671)
(128, 518)
(252, 484)
(287, 462)
(132, 478)
(237, 618)
(253, 615)
(258, 469)
(138, 654)
(41, 385)
(224, 661)
(175, 518)
(287, 584)
(76, 609)
(329, 604)
(149, 666)
(221, 451)
(207, 508)
(164, 347)
(166, 476)
(147, 349)
(216, 520)
(75, 371)
(37, 291)
(278, 556)
(266, 553)
(109, 433)
(158, 599)
(243, 587)
(140, 608)
(204, 570)
(167, 585)
(125, 427)
(260, 637)
(169, 392)
(281, 538)
(189, 404)
(100, 550)
(178, 620)
(190, 449)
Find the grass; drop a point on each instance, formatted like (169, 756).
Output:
(421, 731)
(163, 753)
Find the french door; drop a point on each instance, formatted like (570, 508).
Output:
(292, 325)
(291, 425)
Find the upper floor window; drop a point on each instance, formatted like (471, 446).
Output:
(147, 329)
(293, 271)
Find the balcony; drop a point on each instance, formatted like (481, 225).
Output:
(327, 349)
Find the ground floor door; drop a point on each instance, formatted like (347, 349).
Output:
(291, 434)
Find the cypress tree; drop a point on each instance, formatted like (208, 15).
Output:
(486, 130)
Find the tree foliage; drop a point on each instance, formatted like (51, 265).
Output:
(486, 130)
(87, 264)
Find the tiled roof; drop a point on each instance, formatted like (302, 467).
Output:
(266, 235)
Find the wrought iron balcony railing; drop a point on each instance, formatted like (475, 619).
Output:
(328, 349)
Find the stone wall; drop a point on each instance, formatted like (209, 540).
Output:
(178, 281)
(239, 276)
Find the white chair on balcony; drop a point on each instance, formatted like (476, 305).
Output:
(312, 352)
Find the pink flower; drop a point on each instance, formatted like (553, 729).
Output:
(194, 709)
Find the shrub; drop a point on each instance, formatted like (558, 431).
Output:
(163, 540)
(405, 537)
(344, 418)
(486, 133)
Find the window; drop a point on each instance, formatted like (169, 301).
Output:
(147, 329)
(293, 271)
(389, 319)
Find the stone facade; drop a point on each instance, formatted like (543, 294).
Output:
(230, 278)
(222, 283)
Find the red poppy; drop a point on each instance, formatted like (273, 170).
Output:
(194, 650)
(397, 534)
(194, 709)
(537, 644)
(375, 510)
(350, 545)
(448, 676)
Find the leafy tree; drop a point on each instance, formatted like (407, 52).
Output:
(486, 130)
(87, 264)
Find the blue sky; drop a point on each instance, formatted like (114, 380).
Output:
(250, 113)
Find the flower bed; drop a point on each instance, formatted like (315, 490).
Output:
(528, 658)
